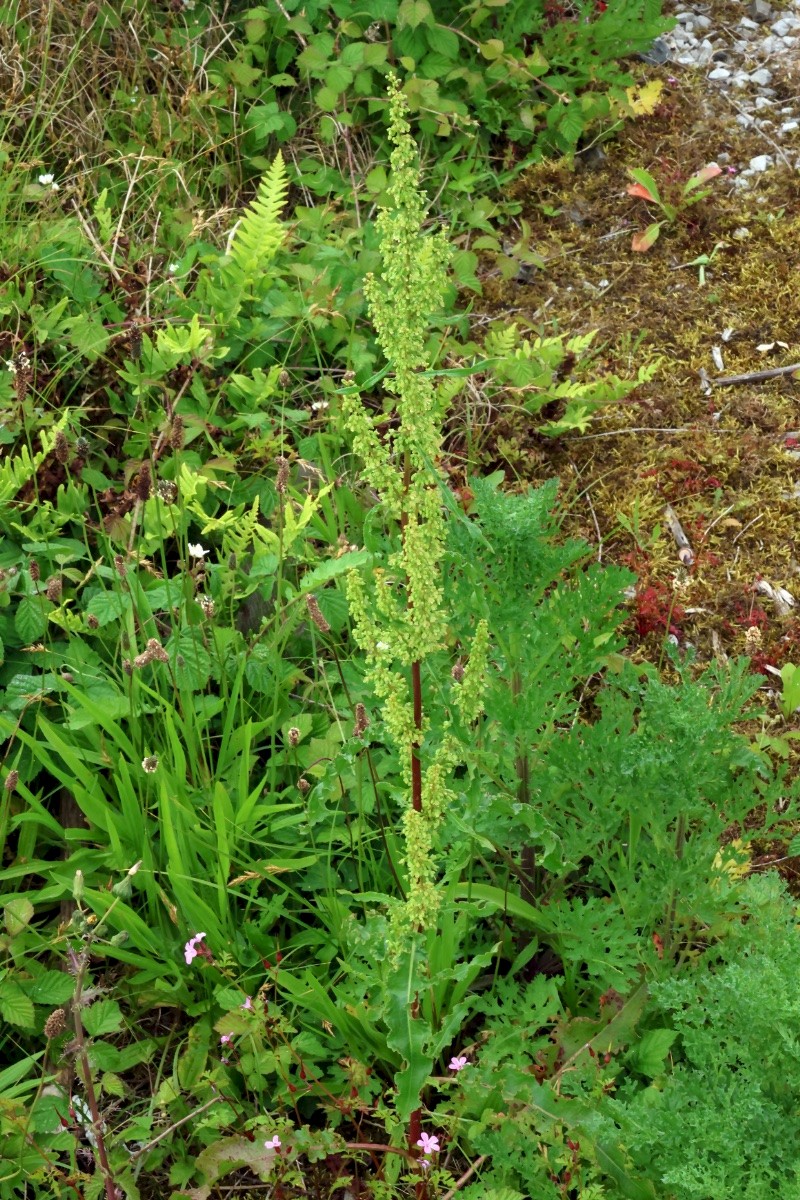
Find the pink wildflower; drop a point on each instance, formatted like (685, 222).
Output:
(274, 1143)
(429, 1143)
(226, 1037)
(248, 1004)
(190, 950)
(457, 1063)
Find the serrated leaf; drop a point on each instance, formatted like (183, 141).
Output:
(105, 1016)
(17, 915)
(651, 1053)
(30, 619)
(332, 568)
(230, 1154)
(15, 1007)
(108, 606)
(51, 987)
(643, 100)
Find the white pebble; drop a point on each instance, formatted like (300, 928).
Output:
(762, 77)
(790, 126)
(746, 23)
(762, 102)
(760, 162)
(720, 73)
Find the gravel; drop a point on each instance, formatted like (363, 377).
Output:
(741, 58)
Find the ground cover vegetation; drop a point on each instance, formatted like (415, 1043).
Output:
(346, 850)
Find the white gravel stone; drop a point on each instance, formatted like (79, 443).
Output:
(720, 73)
(780, 28)
(760, 162)
(790, 126)
(763, 102)
(762, 77)
(746, 23)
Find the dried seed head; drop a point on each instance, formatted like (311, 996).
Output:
(11, 780)
(33, 571)
(142, 660)
(89, 16)
(127, 666)
(362, 721)
(156, 650)
(284, 379)
(92, 621)
(62, 447)
(81, 447)
(21, 366)
(302, 784)
(167, 491)
(293, 736)
(316, 616)
(283, 474)
(53, 590)
(752, 641)
(457, 672)
(55, 1024)
(208, 607)
(232, 561)
(176, 433)
(119, 566)
(150, 764)
(135, 340)
(144, 483)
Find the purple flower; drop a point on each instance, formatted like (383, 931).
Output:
(274, 1143)
(248, 1004)
(226, 1037)
(457, 1063)
(190, 950)
(429, 1144)
(425, 1163)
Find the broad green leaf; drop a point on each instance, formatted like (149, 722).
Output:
(30, 619)
(104, 1016)
(15, 1007)
(17, 915)
(51, 987)
(409, 1034)
(650, 1055)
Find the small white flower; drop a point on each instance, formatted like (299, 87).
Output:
(55, 187)
(44, 180)
(197, 551)
(172, 268)
(383, 646)
(319, 405)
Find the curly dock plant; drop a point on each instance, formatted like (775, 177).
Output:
(398, 612)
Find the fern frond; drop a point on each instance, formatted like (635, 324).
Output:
(19, 469)
(260, 231)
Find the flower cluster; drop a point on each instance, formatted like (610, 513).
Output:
(190, 951)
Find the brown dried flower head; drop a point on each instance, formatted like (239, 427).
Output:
(362, 721)
(283, 474)
(316, 616)
(293, 736)
(176, 433)
(53, 590)
(144, 483)
(55, 1024)
(62, 447)
(34, 571)
(11, 780)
